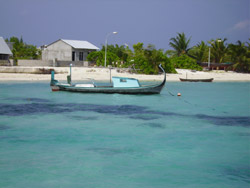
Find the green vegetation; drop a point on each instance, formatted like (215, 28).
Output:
(180, 44)
(22, 50)
(185, 62)
(240, 55)
(199, 52)
(218, 50)
(143, 60)
(146, 59)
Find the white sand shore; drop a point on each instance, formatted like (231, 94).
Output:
(83, 73)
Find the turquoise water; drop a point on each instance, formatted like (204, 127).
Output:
(60, 139)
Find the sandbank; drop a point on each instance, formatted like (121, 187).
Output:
(103, 74)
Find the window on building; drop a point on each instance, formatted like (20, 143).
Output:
(73, 56)
(80, 56)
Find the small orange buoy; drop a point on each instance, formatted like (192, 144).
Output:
(179, 94)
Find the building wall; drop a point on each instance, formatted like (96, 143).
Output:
(60, 51)
(34, 63)
(57, 51)
(5, 63)
(42, 63)
(74, 63)
(4, 60)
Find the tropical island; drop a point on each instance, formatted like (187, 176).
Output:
(216, 55)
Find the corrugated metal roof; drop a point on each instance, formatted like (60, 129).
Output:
(4, 48)
(79, 44)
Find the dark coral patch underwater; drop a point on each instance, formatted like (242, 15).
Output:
(131, 111)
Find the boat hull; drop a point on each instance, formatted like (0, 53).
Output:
(196, 80)
(110, 90)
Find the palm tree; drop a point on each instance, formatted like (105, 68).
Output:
(180, 44)
(218, 50)
(199, 52)
(238, 53)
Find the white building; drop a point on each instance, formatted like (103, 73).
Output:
(67, 50)
(4, 50)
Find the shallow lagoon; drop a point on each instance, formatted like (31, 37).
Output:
(60, 139)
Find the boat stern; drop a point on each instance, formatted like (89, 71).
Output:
(53, 82)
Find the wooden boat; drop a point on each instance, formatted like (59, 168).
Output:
(196, 80)
(120, 85)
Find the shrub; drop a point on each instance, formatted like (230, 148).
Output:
(185, 62)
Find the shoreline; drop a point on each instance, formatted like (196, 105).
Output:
(23, 74)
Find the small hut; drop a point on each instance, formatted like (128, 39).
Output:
(5, 53)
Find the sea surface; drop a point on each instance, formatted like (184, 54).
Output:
(59, 139)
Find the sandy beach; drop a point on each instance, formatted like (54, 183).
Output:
(83, 73)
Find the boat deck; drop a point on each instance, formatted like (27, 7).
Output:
(103, 85)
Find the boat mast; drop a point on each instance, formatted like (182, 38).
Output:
(110, 74)
(70, 74)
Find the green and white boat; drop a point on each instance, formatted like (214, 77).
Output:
(122, 85)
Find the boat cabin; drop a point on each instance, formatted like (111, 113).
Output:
(117, 82)
(125, 82)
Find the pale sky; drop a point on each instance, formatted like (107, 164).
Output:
(42, 22)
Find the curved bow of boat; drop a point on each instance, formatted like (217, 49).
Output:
(164, 80)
